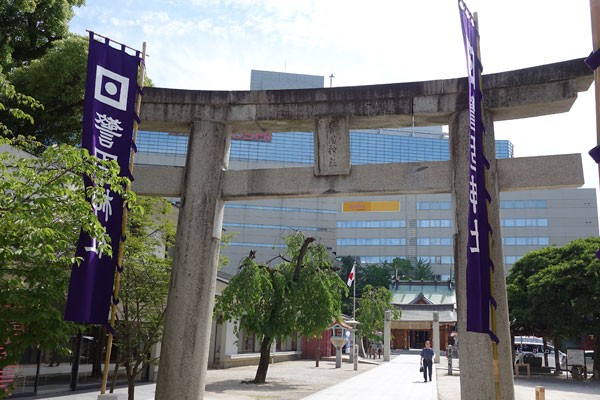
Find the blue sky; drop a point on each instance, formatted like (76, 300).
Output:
(213, 45)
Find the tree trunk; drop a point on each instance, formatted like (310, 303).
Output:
(265, 357)
(131, 373)
(556, 356)
(596, 367)
(97, 361)
(545, 348)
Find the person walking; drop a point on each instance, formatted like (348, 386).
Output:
(427, 360)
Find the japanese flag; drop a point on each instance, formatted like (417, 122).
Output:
(351, 276)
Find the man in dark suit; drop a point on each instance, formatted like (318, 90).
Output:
(427, 360)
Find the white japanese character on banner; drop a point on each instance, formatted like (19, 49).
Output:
(109, 128)
(104, 206)
(94, 248)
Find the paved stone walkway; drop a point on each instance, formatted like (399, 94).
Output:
(398, 379)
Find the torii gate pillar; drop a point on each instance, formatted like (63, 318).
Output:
(477, 372)
(194, 275)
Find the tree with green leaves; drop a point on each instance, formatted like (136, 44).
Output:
(370, 312)
(302, 296)
(571, 274)
(402, 268)
(43, 207)
(144, 284)
(14, 106)
(29, 29)
(376, 275)
(56, 80)
(422, 270)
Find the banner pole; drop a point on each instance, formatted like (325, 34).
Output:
(113, 307)
(595, 18)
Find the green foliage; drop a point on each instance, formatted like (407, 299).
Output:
(56, 80)
(42, 210)
(301, 296)
(556, 290)
(376, 275)
(144, 282)
(422, 270)
(28, 28)
(402, 268)
(274, 304)
(13, 105)
(371, 311)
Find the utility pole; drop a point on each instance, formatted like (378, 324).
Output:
(331, 79)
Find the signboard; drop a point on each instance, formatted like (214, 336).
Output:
(575, 357)
(370, 206)
(253, 136)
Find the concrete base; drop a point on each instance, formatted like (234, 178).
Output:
(112, 396)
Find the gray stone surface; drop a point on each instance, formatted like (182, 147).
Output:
(525, 173)
(332, 146)
(522, 93)
(481, 375)
(292, 380)
(184, 354)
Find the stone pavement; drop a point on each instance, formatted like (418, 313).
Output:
(399, 378)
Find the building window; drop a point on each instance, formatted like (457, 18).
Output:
(526, 241)
(523, 204)
(248, 244)
(509, 260)
(520, 222)
(372, 242)
(434, 205)
(434, 241)
(377, 259)
(278, 227)
(437, 259)
(289, 343)
(248, 342)
(283, 209)
(372, 224)
(434, 223)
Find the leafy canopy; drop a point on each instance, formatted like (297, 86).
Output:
(283, 299)
(371, 311)
(43, 207)
(556, 291)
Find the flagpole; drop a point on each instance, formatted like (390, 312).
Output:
(113, 308)
(595, 18)
(354, 296)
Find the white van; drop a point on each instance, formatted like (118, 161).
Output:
(535, 345)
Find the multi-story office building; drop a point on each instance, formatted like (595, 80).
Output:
(374, 228)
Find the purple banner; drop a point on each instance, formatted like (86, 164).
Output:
(108, 115)
(593, 60)
(479, 263)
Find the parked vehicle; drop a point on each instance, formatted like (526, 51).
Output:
(535, 345)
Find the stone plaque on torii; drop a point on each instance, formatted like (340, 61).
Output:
(205, 183)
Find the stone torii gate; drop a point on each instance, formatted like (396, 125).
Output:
(205, 183)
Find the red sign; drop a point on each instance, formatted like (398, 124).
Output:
(253, 136)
